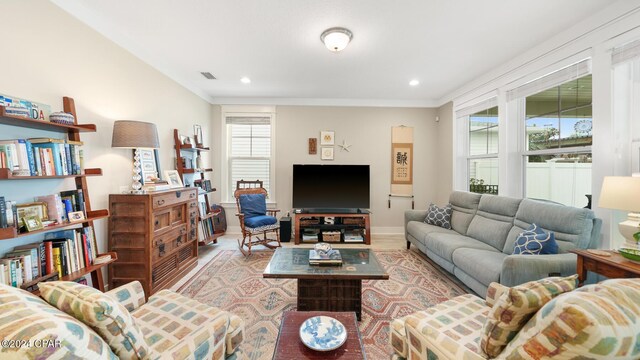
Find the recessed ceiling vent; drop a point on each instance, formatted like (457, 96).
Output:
(208, 75)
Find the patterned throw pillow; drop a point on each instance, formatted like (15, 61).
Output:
(101, 312)
(514, 308)
(439, 216)
(536, 241)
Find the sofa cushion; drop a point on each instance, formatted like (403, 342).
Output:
(535, 241)
(449, 330)
(419, 230)
(444, 245)
(463, 208)
(572, 226)
(253, 205)
(260, 220)
(28, 317)
(514, 308)
(600, 321)
(493, 220)
(177, 326)
(484, 265)
(439, 216)
(101, 312)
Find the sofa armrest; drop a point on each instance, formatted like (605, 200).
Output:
(413, 215)
(494, 292)
(519, 269)
(130, 295)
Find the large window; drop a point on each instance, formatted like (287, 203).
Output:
(482, 161)
(249, 151)
(558, 138)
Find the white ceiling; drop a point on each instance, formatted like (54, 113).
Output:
(444, 44)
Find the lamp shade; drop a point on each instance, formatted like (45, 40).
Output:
(620, 193)
(134, 134)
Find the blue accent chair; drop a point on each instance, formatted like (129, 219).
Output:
(259, 225)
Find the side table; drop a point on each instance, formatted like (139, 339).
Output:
(614, 266)
(289, 345)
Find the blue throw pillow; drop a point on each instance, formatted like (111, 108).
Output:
(536, 241)
(253, 205)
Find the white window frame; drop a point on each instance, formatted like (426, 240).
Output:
(246, 111)
(462, 116)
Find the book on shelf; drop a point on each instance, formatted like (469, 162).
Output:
(41, 157)
(331, 257)
(38, 252)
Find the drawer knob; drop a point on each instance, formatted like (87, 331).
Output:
(178, 194)
(161, 249)
(192, 195)
(160, 202)
(179, 240)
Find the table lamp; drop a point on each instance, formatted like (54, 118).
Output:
(623, 193)
(130, 134)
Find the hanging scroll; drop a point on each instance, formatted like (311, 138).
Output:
(402, 160)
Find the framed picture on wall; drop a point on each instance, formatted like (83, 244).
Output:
(327, 153)
(327, 137)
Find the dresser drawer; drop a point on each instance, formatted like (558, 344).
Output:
(164, 244)
(174, 197)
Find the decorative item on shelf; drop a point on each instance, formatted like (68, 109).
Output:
(322, 248)
(323, 333)
(344, 146)
(76, 216)
(199, 162)
(36, 209)
(27, 108)
(62, 118)
(313, 146)
(173, 178)
(197, 135)
(32, 223)
(622, 193)
(135, 135)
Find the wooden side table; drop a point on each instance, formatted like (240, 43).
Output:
(289, 345)
(614, 266)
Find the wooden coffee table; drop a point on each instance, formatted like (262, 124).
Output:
(327, 288)
(289, 345)
(613, 266)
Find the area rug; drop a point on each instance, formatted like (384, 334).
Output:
(234, 283)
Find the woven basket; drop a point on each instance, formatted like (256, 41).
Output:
(331, 236)
(353, 221)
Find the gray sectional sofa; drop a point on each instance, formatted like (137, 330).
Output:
(478, 249)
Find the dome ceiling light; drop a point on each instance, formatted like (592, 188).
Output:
(336, 38)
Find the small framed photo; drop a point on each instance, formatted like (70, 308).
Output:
(149, 159)
(35, 209)
(197, 134)
(173, 178)
(313, 146)
(75, 216)
(327, 137)
(33, 223)
(327, 153)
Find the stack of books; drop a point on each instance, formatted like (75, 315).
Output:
(331, 257)
(42, 157)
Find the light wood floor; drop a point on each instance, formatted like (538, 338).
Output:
(230, 242)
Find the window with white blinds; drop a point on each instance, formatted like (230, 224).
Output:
(249, 150)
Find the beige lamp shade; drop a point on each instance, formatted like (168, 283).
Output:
(620, 193)
(134, 134)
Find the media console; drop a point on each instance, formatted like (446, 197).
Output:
(347, 226)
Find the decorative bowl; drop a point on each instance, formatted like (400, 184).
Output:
(62, 118)
(322, 248)
(322, 333)
(631, 254)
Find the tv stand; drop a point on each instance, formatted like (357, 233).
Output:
(346, 221)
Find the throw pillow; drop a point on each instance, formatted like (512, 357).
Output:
(253, 205)
(99, 311)
(515, 307)
(536, 241)
(439, 216)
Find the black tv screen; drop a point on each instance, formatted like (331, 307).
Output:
(330, 186)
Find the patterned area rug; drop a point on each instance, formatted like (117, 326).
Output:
(234, 283)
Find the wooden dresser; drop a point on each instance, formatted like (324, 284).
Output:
(155, 236)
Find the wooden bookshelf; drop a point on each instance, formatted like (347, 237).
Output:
(26, 122)
(195, 171)
(70, 132)
(5, 174)
(12, 233)
(191, 147)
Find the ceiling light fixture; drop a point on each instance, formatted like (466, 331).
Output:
(414, 82)
(336, 38)
(245, 80)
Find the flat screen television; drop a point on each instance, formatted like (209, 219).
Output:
(331, 187)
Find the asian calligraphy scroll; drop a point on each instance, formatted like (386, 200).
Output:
(402, 160)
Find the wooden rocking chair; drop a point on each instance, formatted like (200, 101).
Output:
(254, 217)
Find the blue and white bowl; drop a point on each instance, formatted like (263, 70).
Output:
(323, 333)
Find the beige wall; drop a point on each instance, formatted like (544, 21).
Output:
(47, 55)
(368, 130)
(445, 153)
